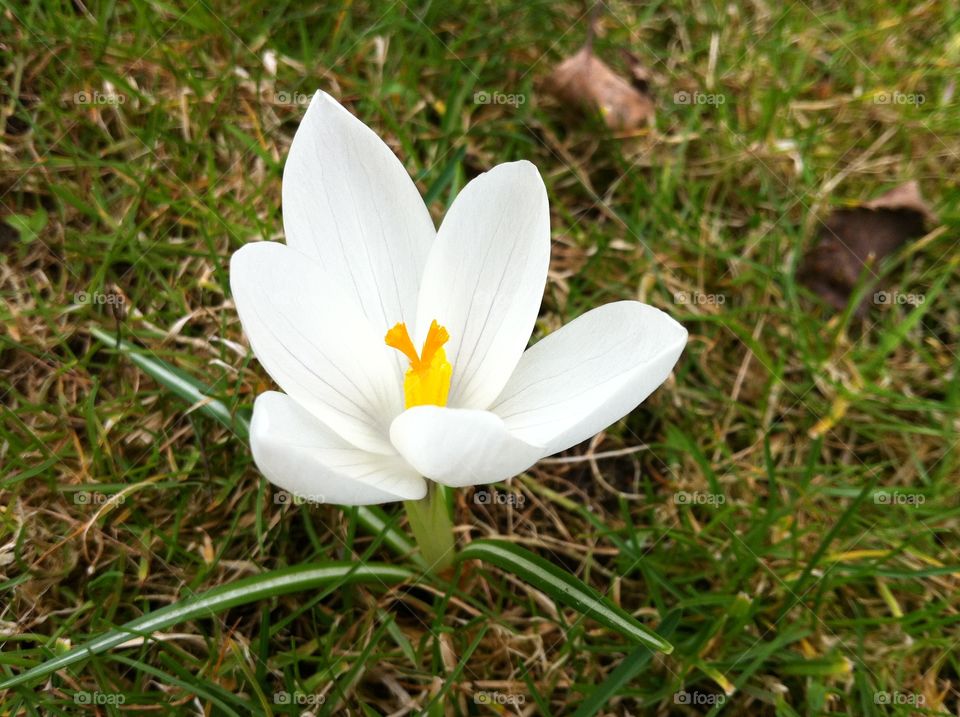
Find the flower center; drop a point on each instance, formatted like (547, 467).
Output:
(427, 381)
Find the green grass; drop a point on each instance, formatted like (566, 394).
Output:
(753, 523)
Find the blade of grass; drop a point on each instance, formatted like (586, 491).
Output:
(182, 385)
(562, 587)
(624, 672)
(241, 592)
(453, 677)
(796, 590)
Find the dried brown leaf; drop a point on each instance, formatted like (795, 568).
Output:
(906, 197)
(586, 82)
(853, 240)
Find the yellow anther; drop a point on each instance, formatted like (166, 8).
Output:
(437, 336)
(399, 338)
(427, 381)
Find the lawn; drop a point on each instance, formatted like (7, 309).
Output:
(783, 509)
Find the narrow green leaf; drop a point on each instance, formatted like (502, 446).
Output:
(178, 382)
(371, 518)
(207, 604)
(624, 672)
(562, 587)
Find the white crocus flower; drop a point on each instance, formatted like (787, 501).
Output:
(337, 315)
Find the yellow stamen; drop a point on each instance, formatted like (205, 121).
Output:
(399, 339)
(437, 336)
(427, 381)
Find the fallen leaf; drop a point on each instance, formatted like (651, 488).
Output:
(906, 197)
(853, 240)
(585, 81)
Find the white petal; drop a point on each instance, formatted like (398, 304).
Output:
(298, 453)
(315, 343)
(460, 447)
(590, 373)
(485, 277)
(349, 203)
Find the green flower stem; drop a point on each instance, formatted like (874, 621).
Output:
(430, 522)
